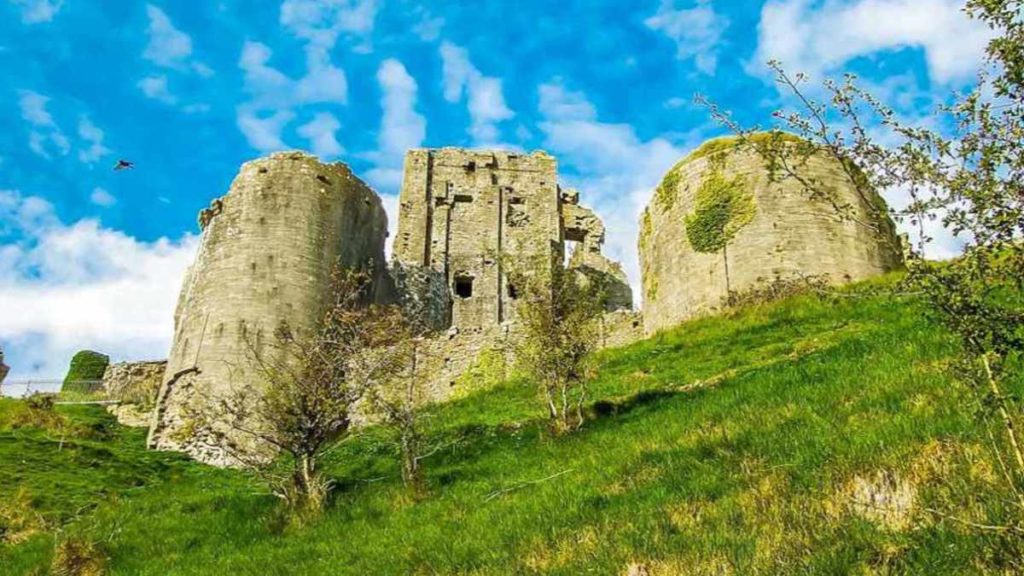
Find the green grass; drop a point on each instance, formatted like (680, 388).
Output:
(727, 446)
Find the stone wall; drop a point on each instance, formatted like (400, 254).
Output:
(4, 369)
(717, 224)
(467, 220)
(135, 385)
(265, 258)
(462, 211)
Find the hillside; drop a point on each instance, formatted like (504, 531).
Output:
(812, 435)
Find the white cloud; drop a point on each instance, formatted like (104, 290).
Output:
(819, 38)
(37, 11)
(696, 31)
(67, 287)
(93, 137)
(401, 126)
(616, 170)
(264, 132)
(168, 47)
(101, 197)
(427, 28)
(45, 135)
(320, 131)
(401, 129)
(486, 102)
(321, 22)
(155, 87)
(274, 93)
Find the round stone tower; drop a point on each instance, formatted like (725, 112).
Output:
(718, 224)
(266, 254)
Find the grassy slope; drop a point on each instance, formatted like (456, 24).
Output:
(748, 473)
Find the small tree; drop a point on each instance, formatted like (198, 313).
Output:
(559, 321)
(399, 401)
(306, 389)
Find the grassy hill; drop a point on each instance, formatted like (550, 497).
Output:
(806, 436)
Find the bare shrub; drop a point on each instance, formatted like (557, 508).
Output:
(559, 318)
(306, 391)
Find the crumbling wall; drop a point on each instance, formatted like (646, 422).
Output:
(717, 224)
(465, 213)
(266, 254)
(4, 368)
(135, 385)
(468, 221)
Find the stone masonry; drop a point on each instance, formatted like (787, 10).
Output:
(776, 231)
(135, 386)
(463, 213)
(466, 217)
(267, 251)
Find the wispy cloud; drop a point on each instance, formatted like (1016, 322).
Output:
(401, 126)
(614, 169)
(64, 287)
(102, 198)
(820, 38)
(321, 132)
(92, 137)
(484, 96)
(263, 131)
(38, 11)
(697, 31)
(155, 87)
(169, 49)
(45, 136)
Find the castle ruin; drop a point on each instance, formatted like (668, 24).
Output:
(717, 225)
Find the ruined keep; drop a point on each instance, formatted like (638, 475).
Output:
(466, 218)
(717, 224)
(266, 254)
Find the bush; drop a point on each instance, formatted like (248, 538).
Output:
(36, 411)
(85, 365)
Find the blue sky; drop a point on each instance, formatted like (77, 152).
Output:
(189, 90)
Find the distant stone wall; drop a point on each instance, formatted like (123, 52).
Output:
(621, 328)
(265, 258)
(717, 224)
(135, 385)
(4, 369)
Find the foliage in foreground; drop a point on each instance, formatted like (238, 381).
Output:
(810, 436)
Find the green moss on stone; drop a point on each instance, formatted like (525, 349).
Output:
(646, 228)
(666, 192)
(715, 146)
(85, 365)
(723, 206)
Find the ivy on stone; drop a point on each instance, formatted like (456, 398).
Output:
(723, 206)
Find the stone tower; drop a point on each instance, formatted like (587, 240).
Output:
(717, 224)
(466, 218)
(267, 250)
(460, 209)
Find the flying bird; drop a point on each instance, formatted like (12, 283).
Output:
(123, 165)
